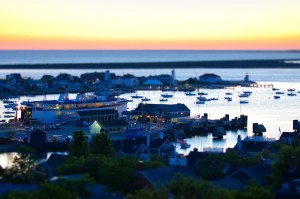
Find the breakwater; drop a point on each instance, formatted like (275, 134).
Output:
(149, 65)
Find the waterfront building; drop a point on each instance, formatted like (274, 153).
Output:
(38, 136)
(108, 126)
(210, 78)
(65, 109)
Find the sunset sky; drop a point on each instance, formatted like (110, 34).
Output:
(155, 24)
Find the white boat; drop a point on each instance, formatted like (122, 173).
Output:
(244, 101)
(166, 95)
(244, 95)
(292, 94)
(190, 94)
(146, 99)
(163, 100)
(200, 102)
(183, 143)
(202, 93)
(137, 96)
(228, 98)
(276, 97)
(202, 99)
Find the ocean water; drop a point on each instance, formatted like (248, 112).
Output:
(117, 56)
(262, 107)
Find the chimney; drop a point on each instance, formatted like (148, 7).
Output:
(195, 150)
(239, 143)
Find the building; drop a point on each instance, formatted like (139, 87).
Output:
(38, 136)
(163, 112)
(98, 115)
(210, 78)
(108, 126)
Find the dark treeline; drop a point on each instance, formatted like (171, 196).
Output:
(144, 65)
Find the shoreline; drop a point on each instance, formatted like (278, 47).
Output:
(280, 63)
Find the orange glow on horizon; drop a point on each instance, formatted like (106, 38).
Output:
(7, 43)
(134, 24)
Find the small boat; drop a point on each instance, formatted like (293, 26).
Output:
(9, 116)
(244, 101)
(228, 98)
(166, 95)
(279, 93)
(244, 95)
(247, 92)
(202, 93)
(276, 97)
(9, 112)
(146, 99)
(190, 94)
(200, 102)
(183, 143)
(213, 99)
(136, 96)
(163, 100)
(291, 94)
(275, 89)
(291, 90)
(202, 99)
(228, 93)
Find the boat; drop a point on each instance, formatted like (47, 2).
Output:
(276, 97)
(65, 109)
(275, 89)
(291, 94)
(213, 99)
(9, 112)
(247, 92)
(163, 100)
(183, 143)
(11, 105)
(190, 94)
(166, 95)
(244, 95)
(291, 90)
(228, 93)
(279, 93)
(228, 98)
(9, 116)
(200, 102)
(244, 101)
(137, 96)
(146, 99)
(203, 99)
(202, 93)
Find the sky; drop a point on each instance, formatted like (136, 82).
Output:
(155, 24)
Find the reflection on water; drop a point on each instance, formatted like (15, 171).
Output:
(6, 159)
(200, 142)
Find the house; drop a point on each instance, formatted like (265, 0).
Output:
(138, 151)
(108, 126)
(163, 112)
(288, 137)
(159, 176)
(240, 178)
(163, 147)
(135, 147)
(38, 136)
(129, 81)
(210, 78)
(193, 157)
(258, 129)
(296, 125)
(152, 82)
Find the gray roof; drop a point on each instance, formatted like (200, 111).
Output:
(115, 123)
(151, 108)
(97, 112)
(152, 82)
(165, 174)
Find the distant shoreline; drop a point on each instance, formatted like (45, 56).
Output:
(172, 64)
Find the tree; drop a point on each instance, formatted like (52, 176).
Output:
(24, 169)
(101, 144)
(79, 146)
